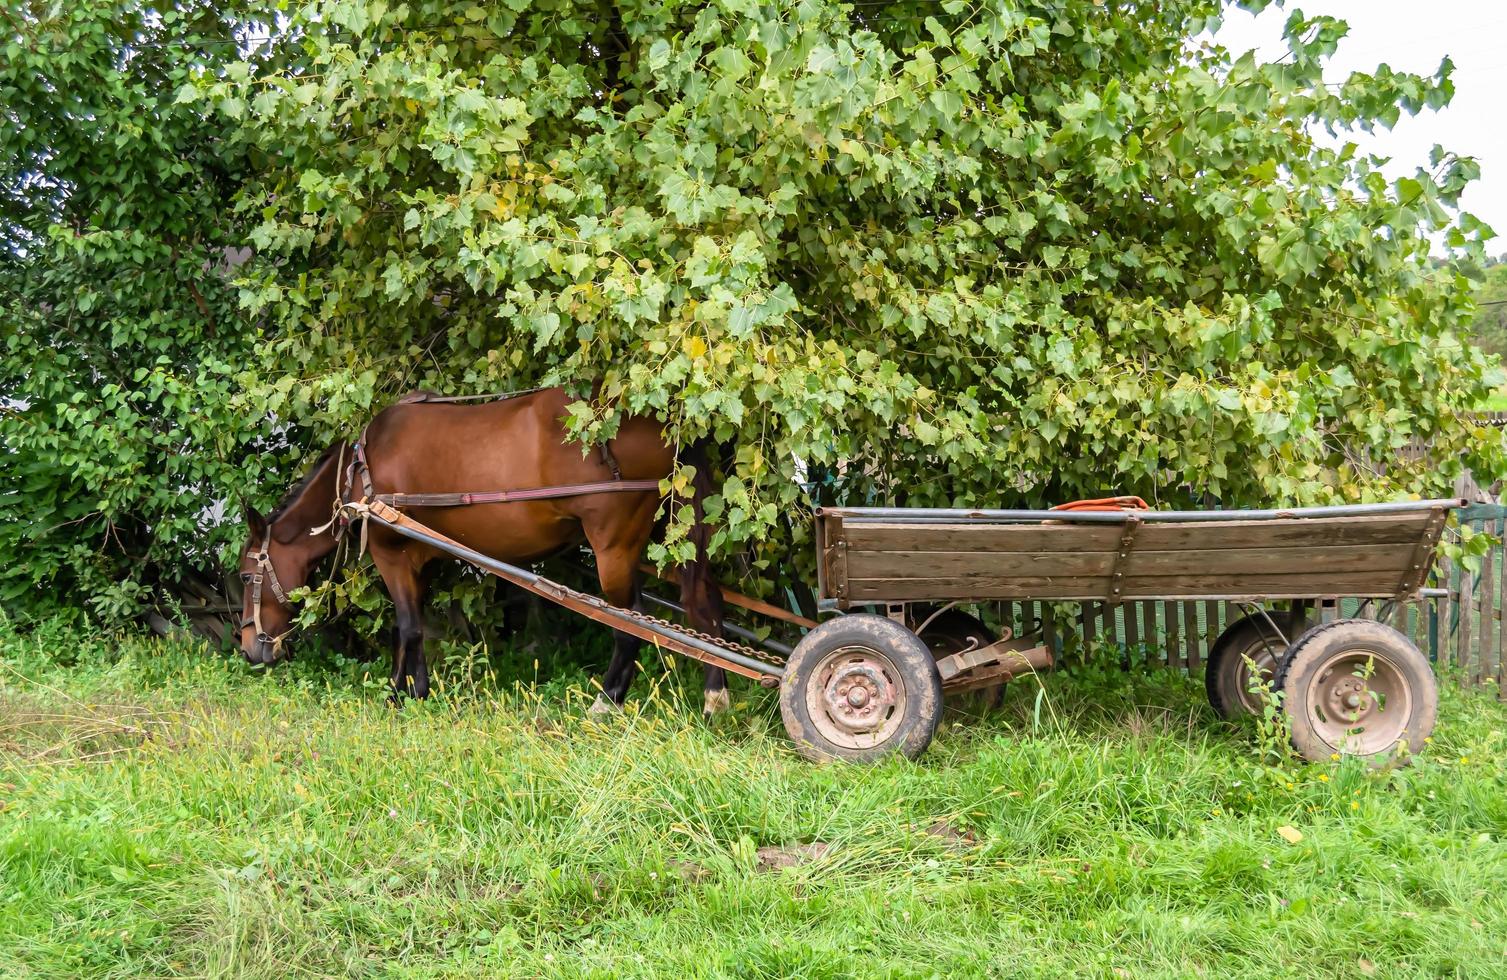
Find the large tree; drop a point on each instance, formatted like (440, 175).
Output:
(1002, 252)
(120, 333)
(922, 252)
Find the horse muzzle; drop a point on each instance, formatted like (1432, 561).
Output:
(265, 649)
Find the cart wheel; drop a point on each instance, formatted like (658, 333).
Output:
(860, 687)
(1227, 676)
(953, 632)
(1357, 687)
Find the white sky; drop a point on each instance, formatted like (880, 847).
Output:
(1412, 35)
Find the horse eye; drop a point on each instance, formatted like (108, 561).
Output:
(245, 578)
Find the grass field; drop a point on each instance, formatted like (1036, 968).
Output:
(166, 811)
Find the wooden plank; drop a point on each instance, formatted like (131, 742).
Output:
(988, 538)
(1295, 586)
(1443, 628)
(1132, 614)
(978, 564)
(1272, 561)
(1397, 529)
(947, 589)
(1294, 533)
(1153, 628)
(1141, 563)
(1108, 622)
(1249, 587)
(1213, 613)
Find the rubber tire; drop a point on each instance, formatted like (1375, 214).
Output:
(1225, 673)
(950, 632)
(914, 665)
(1314, 648)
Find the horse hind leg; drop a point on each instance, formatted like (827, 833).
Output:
(702, 599)
(699, 592)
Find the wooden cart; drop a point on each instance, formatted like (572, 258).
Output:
(863, 684)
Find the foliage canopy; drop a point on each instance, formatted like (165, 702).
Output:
(923, 252)
(1489, 331)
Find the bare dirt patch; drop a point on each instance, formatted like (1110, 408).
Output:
(775, 858)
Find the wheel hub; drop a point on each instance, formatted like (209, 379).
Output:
(1349, 699)
(857, 694)
(1266, 666)
(1359, 702)
(856, 698)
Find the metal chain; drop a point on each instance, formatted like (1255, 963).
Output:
(763, 656)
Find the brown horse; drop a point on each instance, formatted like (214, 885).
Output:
(415, 447)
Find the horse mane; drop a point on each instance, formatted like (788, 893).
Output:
(297, 491)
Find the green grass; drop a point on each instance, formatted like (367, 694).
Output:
(165, 810)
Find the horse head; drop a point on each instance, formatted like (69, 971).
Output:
(280, 552)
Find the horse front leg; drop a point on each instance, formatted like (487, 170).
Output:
(400, 573)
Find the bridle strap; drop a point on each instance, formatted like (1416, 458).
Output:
(265, 573)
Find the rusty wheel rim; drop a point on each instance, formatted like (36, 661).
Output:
(856, 699)
(1266, 668)
(1359, 702)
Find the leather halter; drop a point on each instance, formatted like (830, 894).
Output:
(265, 573)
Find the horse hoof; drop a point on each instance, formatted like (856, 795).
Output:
(716, 702)
(601, 708)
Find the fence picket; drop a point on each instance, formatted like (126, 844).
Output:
(1499, 528)
(1445, 626)
(1150, 629)
(1132, 619)
(1467, 613)
(1486, 633)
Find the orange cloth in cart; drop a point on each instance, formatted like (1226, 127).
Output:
(1106, 503)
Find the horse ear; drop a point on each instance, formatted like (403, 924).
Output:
(254, 520)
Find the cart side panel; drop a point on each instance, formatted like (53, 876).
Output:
(869, 560)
